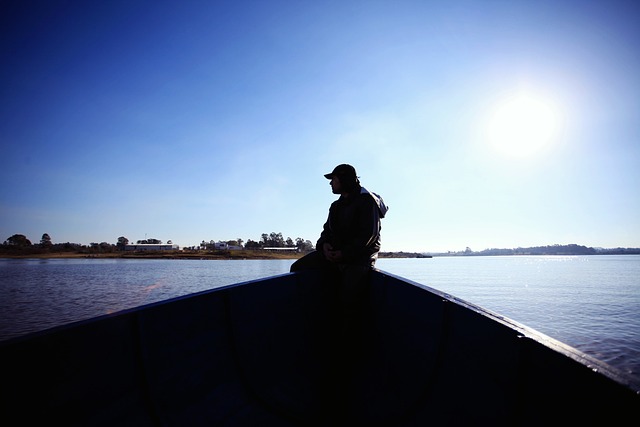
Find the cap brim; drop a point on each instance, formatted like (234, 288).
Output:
(329, 176)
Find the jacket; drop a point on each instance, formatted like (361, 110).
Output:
(354, 225)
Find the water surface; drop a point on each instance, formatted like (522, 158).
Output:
(589, 302)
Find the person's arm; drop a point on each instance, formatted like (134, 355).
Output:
(323, 244)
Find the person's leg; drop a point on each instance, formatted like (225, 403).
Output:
(311, 261)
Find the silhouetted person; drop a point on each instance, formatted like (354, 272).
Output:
(346, 252)
(350, 239)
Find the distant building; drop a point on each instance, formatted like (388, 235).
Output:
(221, 246)
(277, 249)
(224, 246)
(152, 247)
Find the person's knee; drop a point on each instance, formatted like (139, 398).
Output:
(310, 261)
(295, 266)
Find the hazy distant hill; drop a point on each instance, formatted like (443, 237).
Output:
(571, 249)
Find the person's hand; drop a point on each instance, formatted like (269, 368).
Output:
(326, 250)
(332, 255)
(335, 256)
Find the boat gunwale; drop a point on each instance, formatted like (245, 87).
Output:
(528, 332)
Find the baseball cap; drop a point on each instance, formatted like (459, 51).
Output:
(342, 170)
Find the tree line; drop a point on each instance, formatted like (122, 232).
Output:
(20, 244)
(270, 240)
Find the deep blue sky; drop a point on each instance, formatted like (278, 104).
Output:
(201, 120)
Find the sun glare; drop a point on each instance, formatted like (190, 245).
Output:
(523, 125)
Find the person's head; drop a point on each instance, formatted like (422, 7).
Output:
(343, 179)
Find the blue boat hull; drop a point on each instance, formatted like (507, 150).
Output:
(271, 353)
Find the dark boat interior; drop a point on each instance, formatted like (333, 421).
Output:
(273, 352)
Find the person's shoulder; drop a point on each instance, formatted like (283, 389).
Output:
(375, 198)
(364, 196)
(336, 202)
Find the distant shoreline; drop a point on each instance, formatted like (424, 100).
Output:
(222, 255)
(160, 255)
(273, 255)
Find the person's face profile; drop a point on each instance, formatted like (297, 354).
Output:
(335, 185)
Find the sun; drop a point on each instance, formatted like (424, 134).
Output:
(523, 125)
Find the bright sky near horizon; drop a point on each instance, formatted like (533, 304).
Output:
(482, 124)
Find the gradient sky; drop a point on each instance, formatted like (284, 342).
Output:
(203, 120)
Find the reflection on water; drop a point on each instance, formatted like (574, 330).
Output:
(39, 294)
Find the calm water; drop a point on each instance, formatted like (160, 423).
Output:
(589, 302)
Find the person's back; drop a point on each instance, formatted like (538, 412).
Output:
(354, 226)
